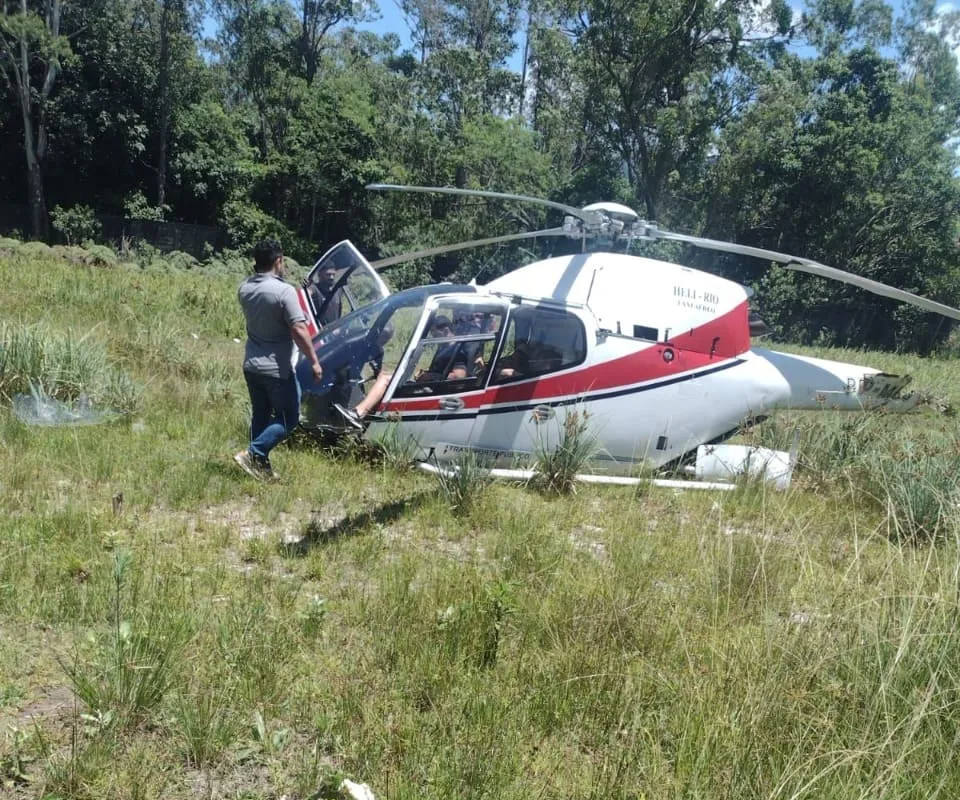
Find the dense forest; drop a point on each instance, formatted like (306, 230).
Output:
(828, 132)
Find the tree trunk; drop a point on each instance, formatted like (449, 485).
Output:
(523, 69)
(16, 59)
(35, 198)
(163, 79)
(39, 226)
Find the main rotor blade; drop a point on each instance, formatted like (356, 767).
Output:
(450, 248)
(577, 212)
(813, 268)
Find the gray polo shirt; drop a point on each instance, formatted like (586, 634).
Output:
(271, 308)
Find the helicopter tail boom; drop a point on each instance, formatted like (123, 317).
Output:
(814, 383)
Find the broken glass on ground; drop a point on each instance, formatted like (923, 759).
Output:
(39, 408)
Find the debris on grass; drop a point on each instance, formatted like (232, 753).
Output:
(355, 791)
(39, 408)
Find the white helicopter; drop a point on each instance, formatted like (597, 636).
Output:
(656, 354)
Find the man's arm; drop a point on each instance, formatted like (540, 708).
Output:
(301, 338)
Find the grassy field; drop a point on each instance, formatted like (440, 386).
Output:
(169, 628)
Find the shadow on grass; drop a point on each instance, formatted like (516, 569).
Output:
(315, 533)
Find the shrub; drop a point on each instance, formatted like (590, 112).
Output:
(462, 485)
(100, 255)
(136, 206)
(919, 493)
(180, 260)
(75, 224)
(36, 250)
(63, 366)
(247, 224)
(229, 263)
(134, 665)
(829, 443)
(395, 448)
(556, 469)
(70, 253)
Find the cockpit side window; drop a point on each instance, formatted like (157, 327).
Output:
(538, 341)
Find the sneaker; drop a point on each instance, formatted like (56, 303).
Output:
(350, 416)
(247, 464)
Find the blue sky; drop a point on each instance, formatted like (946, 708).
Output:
(391, 21)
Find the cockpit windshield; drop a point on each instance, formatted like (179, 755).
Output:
(385, 326)
(361, 346)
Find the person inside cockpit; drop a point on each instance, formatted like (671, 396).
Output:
(328, 301)
(449, 361)
(354, 416)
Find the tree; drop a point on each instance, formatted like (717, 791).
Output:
(175, 46)
(317, 18)
(843, 160)
(657, 83)
(255, 37)
(465, 45)
(31, 51)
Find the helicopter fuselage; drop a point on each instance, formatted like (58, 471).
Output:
(656, 355)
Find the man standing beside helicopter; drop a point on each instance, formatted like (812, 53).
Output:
(328, 298)
(275, 323)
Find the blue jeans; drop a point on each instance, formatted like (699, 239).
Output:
(276, 411)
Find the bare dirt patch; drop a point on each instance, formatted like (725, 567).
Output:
(55, 705)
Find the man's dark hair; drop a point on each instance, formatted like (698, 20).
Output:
(265, 254)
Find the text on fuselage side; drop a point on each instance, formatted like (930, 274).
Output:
(688, 297)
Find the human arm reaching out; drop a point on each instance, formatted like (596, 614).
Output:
(301, 338)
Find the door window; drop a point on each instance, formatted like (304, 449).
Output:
(539, 340)
(340, 282)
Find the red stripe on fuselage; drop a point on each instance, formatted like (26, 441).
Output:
(728, 336)
(312, 328)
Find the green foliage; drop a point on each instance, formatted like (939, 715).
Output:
(62, 365)
(247, 224)
(180, 260)
(129, 670)
(204, 722)
(463, 482)
(214, 159)
(76, 224)
(100, 255)
(136, 206)
(394, 447)
(919, 493)
(34, 249)
(556, 466)
(653, 85)
(820, 168)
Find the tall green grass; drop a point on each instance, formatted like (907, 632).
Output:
(61, 365)
(557, 463)
(213, 636)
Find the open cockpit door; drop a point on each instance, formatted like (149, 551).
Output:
(340, 282)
